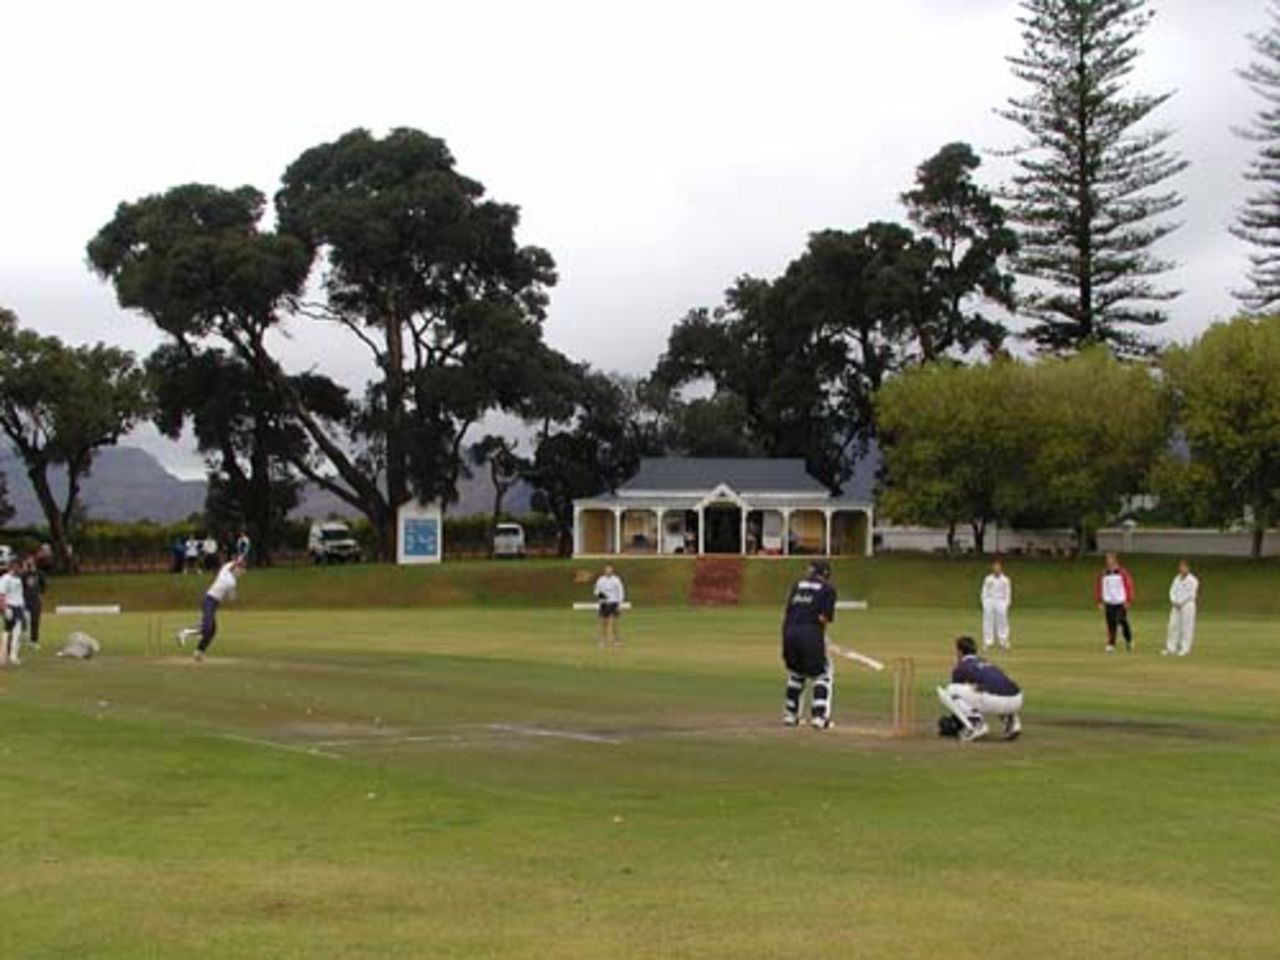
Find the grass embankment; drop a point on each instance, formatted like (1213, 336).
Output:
(482, 782)
(899, 580)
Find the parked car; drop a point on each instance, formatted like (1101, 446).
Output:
(332, 542)
(508, 540)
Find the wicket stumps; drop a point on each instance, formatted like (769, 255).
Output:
(155, 640)
(904, 675)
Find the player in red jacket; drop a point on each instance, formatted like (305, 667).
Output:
(1113, 594)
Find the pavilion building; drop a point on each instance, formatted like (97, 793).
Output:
(736, 506)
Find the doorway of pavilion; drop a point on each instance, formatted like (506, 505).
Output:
(723, 529)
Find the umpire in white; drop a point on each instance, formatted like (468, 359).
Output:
(810, 607)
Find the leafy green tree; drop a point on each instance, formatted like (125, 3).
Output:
(58, 405)
(1258, 224)
(245, 431)
(1226, 394)
(426, 274)
(802, 356)
(973, 244)
(1089, 193)
(590, 450)
(955, 442)
(197, 263)
(1096, 425)
(420, 269)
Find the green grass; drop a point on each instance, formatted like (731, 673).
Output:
(371, 784)
(904, 580)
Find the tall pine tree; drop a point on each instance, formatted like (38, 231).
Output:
(1085, 198)
(1258, 224)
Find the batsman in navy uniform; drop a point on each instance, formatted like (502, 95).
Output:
(810, 607)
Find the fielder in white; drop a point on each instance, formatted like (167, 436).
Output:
(977, 689)
(14, 613)
(1182, 612)
(997, 596)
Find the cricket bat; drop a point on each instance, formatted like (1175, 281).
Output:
(855, 656)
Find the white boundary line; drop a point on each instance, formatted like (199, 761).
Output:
(624, 605)
(851, 605)
(63, 609)
(544, 732)
(291, 748)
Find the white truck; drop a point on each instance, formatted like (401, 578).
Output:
(508, 540)
(332, 542)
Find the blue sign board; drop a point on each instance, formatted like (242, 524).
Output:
(421, 537)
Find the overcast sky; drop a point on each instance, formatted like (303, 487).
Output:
(657, 149)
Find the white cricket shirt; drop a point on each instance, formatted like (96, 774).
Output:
(224, 585)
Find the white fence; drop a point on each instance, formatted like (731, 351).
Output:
(1189, 542)
(997, 540)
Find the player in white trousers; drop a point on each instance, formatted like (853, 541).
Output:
(997, 595)
(14, 613)
(979, 689)
(1182, 612)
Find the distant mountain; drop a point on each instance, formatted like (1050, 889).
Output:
(126, 484)
(130, 484)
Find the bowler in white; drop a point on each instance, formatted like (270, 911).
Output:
(997, 595)
(1182, 612)
(221, 590)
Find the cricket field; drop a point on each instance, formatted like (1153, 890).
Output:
(482, 781)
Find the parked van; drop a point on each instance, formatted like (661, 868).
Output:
(508, 540)
(332, 542)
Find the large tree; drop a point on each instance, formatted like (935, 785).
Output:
(415, 263)
(1226, 394)
(58, 405)
(588, 447)
(245, 431)
(1090, 192)
(973, 242)
(1258, 223)
(1095, 426)
(955, 441)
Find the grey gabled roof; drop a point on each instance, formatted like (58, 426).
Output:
(702, 474)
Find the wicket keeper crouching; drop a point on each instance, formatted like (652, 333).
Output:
(810, 607)
(979, 688)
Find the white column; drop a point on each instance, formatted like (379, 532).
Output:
(742, 534)
(702, 532)
(617, 529)
(577, 530)
(826, 536)
(786, 531)
(661, 515)
(870, 536)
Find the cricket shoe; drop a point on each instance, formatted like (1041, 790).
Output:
(790, 720)
(180, 638)
(198, 656)
(976, 732)
(1012, 726)
(822, 723)
(1111, 648)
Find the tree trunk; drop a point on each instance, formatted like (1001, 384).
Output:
(397, 447)
(361, 491)
(260, 508)
(38, 475)
(979, 535)
(1255, 547)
